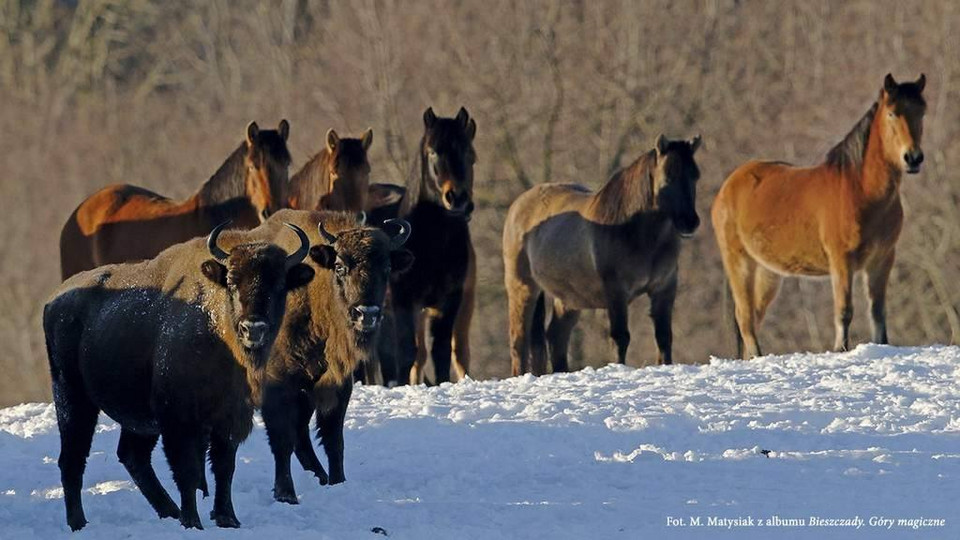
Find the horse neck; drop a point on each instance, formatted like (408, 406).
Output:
(227, 184)
(628, 193)
(878, 180)
(416, 194)
(311, 182)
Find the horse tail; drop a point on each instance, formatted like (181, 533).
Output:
(538, 326)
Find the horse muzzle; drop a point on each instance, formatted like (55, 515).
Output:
(912, 160)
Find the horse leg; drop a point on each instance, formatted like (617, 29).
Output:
(134, 452)
(538, 338)
(661, 312)
(561, 326)
(420, 342)
(766, 285)
(521, 300)
(223, 460)
(741, 276)
(876, 277)
(331, 412)
(281, 427)
(441, 328)
(303, 447)
(841, 277)
(460, 361)
(180, 444)
(405, 322)
(619, 321)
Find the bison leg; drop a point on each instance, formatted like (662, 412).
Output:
(661, 312)
(180, 444)
(77, 420)
(278, 402)
(223, 459)
(303, 446)
(558, 335)
(134, 452)
(330, 426)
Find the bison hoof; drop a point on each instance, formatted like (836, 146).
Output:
(288, 497)
(226, 521)
(77, 523)
(191, 522)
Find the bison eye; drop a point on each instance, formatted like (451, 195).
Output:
(340, 269)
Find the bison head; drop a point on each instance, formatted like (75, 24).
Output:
(257, 277)
(362, 261)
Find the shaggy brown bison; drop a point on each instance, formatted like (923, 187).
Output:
(330, 328)
(598, 250)
(175, 346)
(126, 223)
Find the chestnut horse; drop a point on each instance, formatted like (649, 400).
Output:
(835, 219)
(598, 250)
(336, 178)
(124, 223)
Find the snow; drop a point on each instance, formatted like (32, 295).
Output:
(615, 452)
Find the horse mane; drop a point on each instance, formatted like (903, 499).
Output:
(628, 192)
(848, 153)
(312, 181)
(414, 181)
(229, 182)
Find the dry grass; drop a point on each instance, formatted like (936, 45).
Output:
(157, 93)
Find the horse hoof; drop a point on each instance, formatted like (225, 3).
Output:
(323, 478)
(77, 523)
(171, 512)
(191, 522)
(289, 498)
(338, 479)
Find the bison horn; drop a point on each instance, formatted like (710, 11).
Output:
(215, 250)
(301, 254)
(329, 238)
(401, 237)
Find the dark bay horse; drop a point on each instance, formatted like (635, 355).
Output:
(124, 223)
(336, 178)
(835, 219)
(437, 292)
(598, 250)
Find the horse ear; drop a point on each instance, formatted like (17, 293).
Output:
(253, 130)
(463, 116)
(661, 144)
(889, 84)
(471, 129)
(367, 139)
(429, 117)
(333, 140)
(284, 129)
(921, 82)
(695, 143)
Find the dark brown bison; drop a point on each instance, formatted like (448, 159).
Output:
(175, 346)
(126, 223)
(330, 327)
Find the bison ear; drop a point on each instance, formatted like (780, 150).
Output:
(324, 256)
(298, 276)
(215, 272)
(253, 130)
(284, 130)
(333, 140)
(367, 139)
(429, 118)
(471, 129)
(400, 261)
(921, 82)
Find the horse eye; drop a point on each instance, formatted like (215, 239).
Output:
(891, 115)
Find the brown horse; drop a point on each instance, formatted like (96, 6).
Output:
(336, 178)
(123, 223)
(598, 250)
(838, 218)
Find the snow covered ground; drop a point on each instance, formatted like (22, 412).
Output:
(610, 453)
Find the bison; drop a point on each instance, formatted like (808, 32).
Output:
(330, 328)
(176, 346)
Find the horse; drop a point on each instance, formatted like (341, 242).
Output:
(123, 223)
(438, 291)
(835, 219)
(598, 250)
(336, 178)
